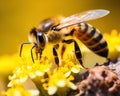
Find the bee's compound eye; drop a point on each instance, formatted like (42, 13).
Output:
(41, 39)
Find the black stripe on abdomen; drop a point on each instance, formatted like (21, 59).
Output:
(93, 39)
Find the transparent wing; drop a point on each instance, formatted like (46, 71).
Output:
(82, 17)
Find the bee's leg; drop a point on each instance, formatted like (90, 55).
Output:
(78, 54)
(40, 54)
(77, 51)
(56, 55)
(63, 50)
(36, 52)
(32, 53)
(22, 47)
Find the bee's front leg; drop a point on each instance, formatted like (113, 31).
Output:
(63, 50)
(55, 54)
(32, 53)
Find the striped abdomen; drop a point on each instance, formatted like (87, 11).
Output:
(92, 38)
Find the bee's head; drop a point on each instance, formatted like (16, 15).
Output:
(37, 38)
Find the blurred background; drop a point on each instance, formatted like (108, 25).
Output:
(17, 17)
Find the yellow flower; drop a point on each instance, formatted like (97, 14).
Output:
(47, 79)
(17, 91)
(59, 80)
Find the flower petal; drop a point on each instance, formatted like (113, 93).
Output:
(75, 70)
(61, 83)
(32, 75)
(23, 79)
(52, 90)
(67, 74)
(39, 73)
(71, 85)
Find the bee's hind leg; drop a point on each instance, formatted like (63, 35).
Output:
(77, 51)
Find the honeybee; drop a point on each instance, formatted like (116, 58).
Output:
(75, 25)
